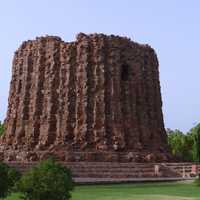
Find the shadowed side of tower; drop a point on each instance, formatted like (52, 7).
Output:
(97, 98)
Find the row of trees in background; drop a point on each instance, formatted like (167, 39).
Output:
(1, 128)
(184, 145)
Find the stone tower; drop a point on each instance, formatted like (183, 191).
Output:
(97, 98)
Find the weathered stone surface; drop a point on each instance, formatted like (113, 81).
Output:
(99, 96)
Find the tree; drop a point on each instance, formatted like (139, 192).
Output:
(198, 146)
(181, 144)
(48, 180)
(8, 179)
(1, 128)
(185, 145)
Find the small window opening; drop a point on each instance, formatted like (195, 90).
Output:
(124, 72)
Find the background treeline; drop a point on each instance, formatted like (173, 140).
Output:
(1, 128)
(184, 145)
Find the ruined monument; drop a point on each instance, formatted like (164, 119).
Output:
(95, 99)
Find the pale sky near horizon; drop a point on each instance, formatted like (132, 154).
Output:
(171, 27)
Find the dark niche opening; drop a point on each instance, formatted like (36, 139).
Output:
(124, 72)
(19, 86)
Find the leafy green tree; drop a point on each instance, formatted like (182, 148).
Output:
(181, 144)
(1, 128)
(8, 179)
(184, 145)
(4, 181)
(194, 134)
(197, 145)
(48, 180)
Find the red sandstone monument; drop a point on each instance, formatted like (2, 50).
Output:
(94, 99)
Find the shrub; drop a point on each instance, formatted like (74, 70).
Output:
(8, 179)
(48, 180)
(197, 182)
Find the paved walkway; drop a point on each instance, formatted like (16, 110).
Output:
(128, 180)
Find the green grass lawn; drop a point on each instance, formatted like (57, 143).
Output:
(148, 191)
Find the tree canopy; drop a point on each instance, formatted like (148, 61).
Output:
(47, 180)
(184, 145)
(1, 128)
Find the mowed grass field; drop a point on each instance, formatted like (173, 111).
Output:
(145, 191)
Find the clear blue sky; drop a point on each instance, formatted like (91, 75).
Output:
(171, 27)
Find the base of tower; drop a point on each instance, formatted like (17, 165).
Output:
(122, 172)
(89, 156)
